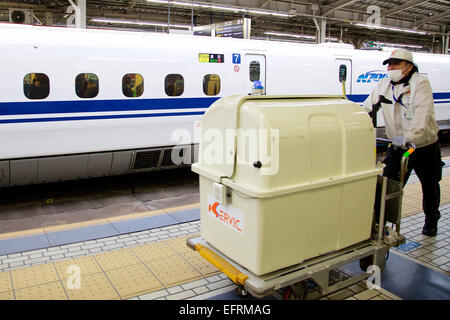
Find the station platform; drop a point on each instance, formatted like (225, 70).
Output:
(144, 256)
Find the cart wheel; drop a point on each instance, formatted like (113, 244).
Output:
(240, 291)
(366, 262)
(297, 291)
(287, 294)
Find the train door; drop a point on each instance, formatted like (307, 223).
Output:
(343, 73)
(255, 70)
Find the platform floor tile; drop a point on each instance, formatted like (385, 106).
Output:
(133, 280)
(173, 270)
(186, 216)
(93, 287)
(48, 291)
(87, 265)
(155, 221)
(5, 282)
(33, 276)
(116, 259)
(153, 251)
(19, 244)
(6, 295)
(179, 244)
(206, 268)
(81, 234)
(433, 252)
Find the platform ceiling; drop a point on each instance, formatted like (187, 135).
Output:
(346, 20)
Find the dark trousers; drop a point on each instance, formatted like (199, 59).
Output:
(427, 164)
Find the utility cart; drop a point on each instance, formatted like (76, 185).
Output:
(276, 221)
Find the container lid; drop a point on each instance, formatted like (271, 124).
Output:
(312, 141)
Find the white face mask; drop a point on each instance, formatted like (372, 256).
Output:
(395, 75)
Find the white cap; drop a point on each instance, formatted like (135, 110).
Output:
(400, 54)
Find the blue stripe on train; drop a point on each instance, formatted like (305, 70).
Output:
(45, 107)
(441, 95)
(361, 97)
(357, 97)
(87, 106)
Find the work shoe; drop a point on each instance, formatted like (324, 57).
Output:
(430, 227)
(429, 231)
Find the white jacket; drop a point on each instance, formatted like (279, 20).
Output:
(413, 117)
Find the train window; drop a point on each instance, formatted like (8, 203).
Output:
(254, 71)
(36, 86)
(174, 85)
(132, 85)
(86, 85)
(211, 84)
(342, 73)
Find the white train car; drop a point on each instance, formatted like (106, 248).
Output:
(87, 103)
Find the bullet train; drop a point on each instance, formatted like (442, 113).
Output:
(77, 104)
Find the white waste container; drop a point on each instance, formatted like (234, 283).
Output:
(285, 178)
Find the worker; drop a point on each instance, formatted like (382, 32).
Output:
(406, 99)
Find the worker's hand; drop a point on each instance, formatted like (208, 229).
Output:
(399, 142)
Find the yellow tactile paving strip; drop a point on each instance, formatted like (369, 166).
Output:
(118, 274)
(133, 280)
(200, 263)
(35, 275)
(47, 291)
(88, 265)
(412, 196)
(153, 251)
(116, 259)
(92, 287)
(173, 270)
(6, 295)
(23, 233)
(5, 282)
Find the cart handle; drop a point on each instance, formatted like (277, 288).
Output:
(411, 149)
(404, 162)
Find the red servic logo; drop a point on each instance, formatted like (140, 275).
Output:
(214, 208)
(225, 217)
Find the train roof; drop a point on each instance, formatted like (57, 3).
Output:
(96, 37)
